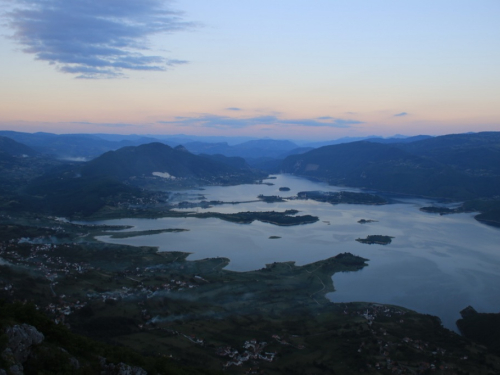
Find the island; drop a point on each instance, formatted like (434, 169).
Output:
(342, 197)
(284, 188)
(270, 198)
(366, 221)
(285, 218)
(274, 237)
(489, 210)
(376, 239)
(439, 210)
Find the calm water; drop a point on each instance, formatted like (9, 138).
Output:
(435, 264)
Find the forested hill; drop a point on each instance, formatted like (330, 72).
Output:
(12, 148)
(81, 189)
(463, 166)
(477, 153)
(158, 158)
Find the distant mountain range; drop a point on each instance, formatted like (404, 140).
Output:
(264, 154)
(459, 166)
(259, 153)
(373, 138)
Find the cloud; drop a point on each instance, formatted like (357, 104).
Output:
(94, 38)
(233, 109)
(401, 114)
(107, 125)
(224, 122)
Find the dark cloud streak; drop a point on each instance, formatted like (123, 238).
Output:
(107, 125)
(94, 38)
(224, 122)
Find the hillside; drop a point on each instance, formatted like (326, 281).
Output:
(42, 184)
(162, 161)
(435, 167)
(81, 189)
(62, 191)
(31, 343)
(10, 147)
(477, 153)
(19, 165)
(234, 161)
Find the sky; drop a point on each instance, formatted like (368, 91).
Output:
(294, 69)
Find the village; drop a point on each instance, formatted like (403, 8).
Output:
(253, 351)
(41, 259)
(385, 348)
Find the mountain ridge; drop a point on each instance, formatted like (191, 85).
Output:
(399, 168)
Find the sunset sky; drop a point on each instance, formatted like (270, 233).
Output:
(294, 69)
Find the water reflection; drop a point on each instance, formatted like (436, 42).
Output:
(435, 264)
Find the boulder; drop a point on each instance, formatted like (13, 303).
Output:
(20, 340)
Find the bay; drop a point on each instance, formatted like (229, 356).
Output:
(435, 264)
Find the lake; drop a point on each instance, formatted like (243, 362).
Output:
(435, 264)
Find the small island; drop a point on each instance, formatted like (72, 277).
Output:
(270, 198)
(376, 239)
(284, 188)
(366, 221)
(342, 197)
(274, 237)
(439, 210)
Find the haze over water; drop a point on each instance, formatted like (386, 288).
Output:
(435, 264)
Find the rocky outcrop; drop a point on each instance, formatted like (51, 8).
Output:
(468, 311)
(19, 349)
(20, 340)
